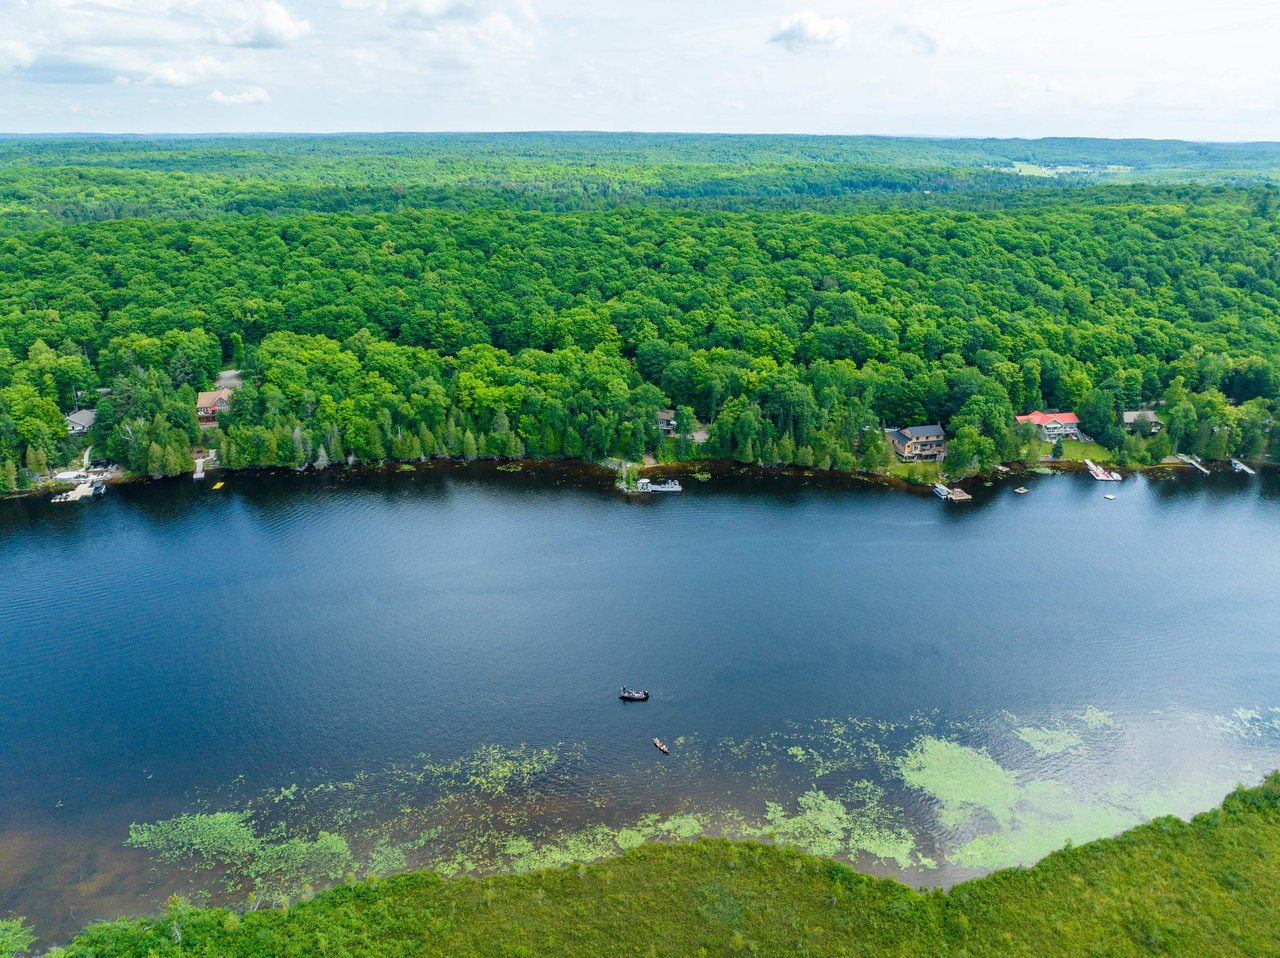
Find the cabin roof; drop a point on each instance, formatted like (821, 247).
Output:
(920, 432)
(1044, 418)
(207, 399)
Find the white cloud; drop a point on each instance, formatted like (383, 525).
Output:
(809, 31)
(14, 55)
(180, 73)
(999, 67)
(270, 24)
(243, 98)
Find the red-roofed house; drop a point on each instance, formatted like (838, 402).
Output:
(1054, 425)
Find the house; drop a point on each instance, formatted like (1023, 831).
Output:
(1153, 425)
(79, 422)
(209, 404)
(918, 443)
(667, 422)
(1054, 425)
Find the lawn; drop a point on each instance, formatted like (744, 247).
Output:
(1077, 451)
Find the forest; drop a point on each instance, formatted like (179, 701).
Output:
(398, 299)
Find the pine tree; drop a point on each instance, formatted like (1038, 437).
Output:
(8, 476)
(468, 446)
(322, 458)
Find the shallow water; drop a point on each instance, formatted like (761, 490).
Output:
(424, 664)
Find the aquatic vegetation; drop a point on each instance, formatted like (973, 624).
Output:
(387, 859)
(1203, 888)
(1095, 718)
(963, 780)
(492, 769)
(222, 838)
(837, 787)
(1050, 741)
(820, 826)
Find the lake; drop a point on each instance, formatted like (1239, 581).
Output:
(299, 677)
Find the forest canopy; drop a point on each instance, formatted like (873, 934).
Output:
(469, 327)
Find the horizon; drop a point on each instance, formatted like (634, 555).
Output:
(267, 134)
(1022, 70)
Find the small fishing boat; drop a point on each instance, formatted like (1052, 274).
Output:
(657, 743)
(1108, 497)
(633, 695)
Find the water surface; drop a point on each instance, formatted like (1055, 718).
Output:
(424, 664)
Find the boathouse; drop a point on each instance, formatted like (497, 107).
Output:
(918, 443)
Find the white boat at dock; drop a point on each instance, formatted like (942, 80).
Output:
(1101, 474)
(85, 490)
(648, 485)
(1239, 466)
(950, 495)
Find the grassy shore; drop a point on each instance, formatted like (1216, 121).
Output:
(1204, 888)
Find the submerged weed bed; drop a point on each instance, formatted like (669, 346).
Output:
(1204, 888)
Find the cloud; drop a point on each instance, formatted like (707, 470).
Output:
(180, 73)
(14, 55)
(269, 24)
(810, 31)
(918, 40)
(244, 98)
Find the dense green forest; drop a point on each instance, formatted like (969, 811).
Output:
(430, 325)
(1200, 889)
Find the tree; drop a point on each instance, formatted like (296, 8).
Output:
(8, 476)
(36, 461)
(15, 936)
(1058, 448)
(155, 460)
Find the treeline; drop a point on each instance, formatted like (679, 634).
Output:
(791, 336)
(48, 182)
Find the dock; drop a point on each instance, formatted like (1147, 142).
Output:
(84, 490)
(1101, 474)
(950, 495)
(1193, 461)
(1239, 466)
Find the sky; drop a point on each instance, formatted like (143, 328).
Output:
(1188, 69)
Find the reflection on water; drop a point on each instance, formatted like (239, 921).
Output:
(302, 678)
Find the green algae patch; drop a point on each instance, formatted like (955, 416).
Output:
(1202, 888)
(273, 866)
(824, 825)
(963, 780)
(1050, 741)
(1095, 718)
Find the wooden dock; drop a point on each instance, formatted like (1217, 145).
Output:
(1193, 461)
(1239, 466)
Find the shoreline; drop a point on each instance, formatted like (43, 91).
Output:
(701, 470)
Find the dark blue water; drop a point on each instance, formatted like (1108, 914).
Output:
(162, 643)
